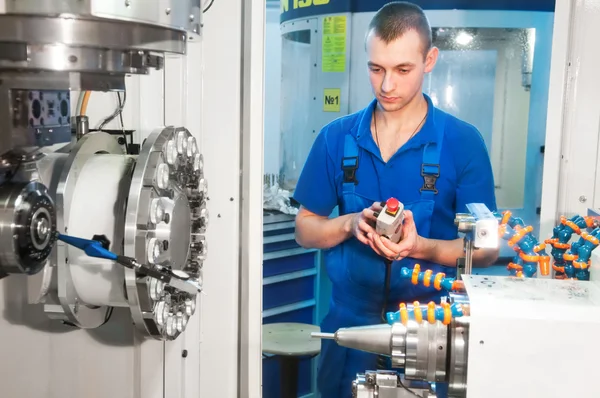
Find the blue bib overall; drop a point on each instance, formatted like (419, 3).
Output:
(359, 275)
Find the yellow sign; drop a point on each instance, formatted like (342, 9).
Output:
(333, 56)
(285, 4)
(332, 98)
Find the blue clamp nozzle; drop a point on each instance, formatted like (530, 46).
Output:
(426, 313)
(92, 248)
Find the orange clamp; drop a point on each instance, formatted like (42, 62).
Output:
(517, 267)
(590, 238)
(544, 262)
(438, 280)
(447, 313)
(403, 314)
(529, 258)
(573, 226)
(506, 217)
(415, 274)
(581, 264)
(431, 312)
(427, 278)
(589, 221)
(558, 269)
(418, 313)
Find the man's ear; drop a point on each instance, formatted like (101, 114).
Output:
(431, 59)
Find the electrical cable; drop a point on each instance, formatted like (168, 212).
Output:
(408, 389)
(79, 103)
(208, 6)
(116, 113)
(84, 103)
(121, 105)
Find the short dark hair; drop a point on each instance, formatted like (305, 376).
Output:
(398, 17)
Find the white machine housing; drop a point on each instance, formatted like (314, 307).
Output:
(530, 337)
(115, 360)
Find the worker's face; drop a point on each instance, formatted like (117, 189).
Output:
(397, 69)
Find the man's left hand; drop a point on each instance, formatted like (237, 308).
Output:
(397, 251)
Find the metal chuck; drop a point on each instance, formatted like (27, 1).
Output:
(388, 340)
(419, 348)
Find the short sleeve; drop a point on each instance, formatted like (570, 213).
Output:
(315, 189)
(475, 179)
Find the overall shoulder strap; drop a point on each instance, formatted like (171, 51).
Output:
(430, 167)
(350, 163)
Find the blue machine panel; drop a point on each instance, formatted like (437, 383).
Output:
(288, 292)
(270, 373)
(294, 9)
(284, 265)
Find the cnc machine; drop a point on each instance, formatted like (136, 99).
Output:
(103, 233)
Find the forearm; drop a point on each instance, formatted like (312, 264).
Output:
(446, 252)
(313, 232)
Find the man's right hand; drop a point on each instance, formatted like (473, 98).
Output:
(363, 223)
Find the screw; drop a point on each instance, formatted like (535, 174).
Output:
(127, 3)
(168, 11)
(231, 199)
(184, 353)
(583, 199)
(72, 59)
(192, 17)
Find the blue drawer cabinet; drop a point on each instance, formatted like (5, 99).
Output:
(290, 294)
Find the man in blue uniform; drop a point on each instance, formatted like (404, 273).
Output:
(399, 146)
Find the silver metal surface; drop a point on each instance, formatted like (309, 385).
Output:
(27, 227)
(458, 360)
(469, 251)
(380, 339)
(480, 227)
(82, 126)
(76, 32)
(376, 339)
(387, 384)
(398, 345)
(329, 336)
(175, 14)
(47, 171)
(163, 229)
(60, 58)
(426, 350)
(74, 311)
(485, 233)
(177, 231)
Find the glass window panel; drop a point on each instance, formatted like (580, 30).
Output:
(295, 99)
(483, 76)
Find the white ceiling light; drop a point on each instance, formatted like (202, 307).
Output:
(463, 38)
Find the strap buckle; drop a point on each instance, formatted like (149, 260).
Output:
(349, 166)
(430, 174)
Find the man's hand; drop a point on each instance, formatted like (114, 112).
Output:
(363, 223)
(397, 251)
